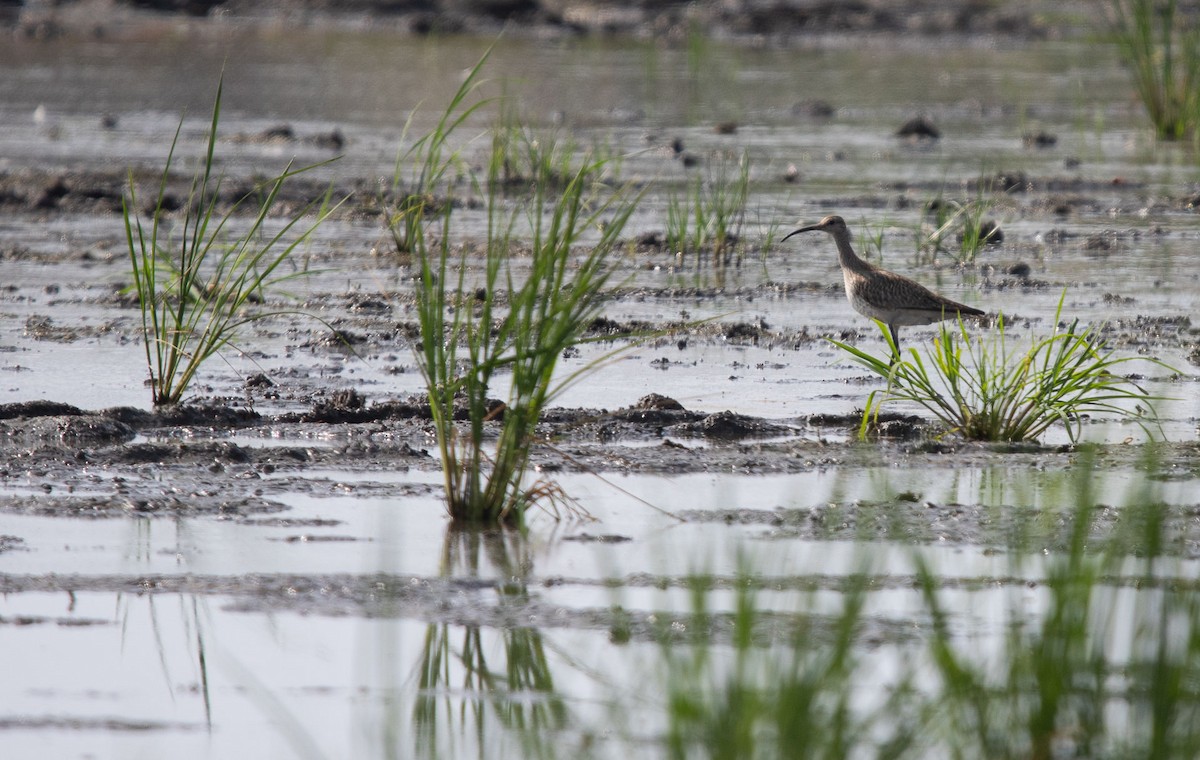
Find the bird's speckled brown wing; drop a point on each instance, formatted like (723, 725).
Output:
(897, 300)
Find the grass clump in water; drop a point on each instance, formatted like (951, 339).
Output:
(468, 341)
(708, 216)
(485, 319)
(984, 390)
(1161, 45)
(964, 222)
(528, 158)
(196, 288)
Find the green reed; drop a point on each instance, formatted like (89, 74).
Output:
(983, 388)
(198, 285)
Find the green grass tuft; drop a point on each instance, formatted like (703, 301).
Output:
(960, 228)
(198, 287)
(468, 342)
(707, 218)
(984, 389)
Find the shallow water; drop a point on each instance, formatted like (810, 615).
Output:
(237, 655)
(243, 661)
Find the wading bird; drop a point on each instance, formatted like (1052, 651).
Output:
(879, 294)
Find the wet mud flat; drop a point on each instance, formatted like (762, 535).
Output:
(65, 461)
(222, 464)
(115, 463)
(123, 463)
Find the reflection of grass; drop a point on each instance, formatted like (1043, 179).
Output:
(195, 292)
(467, 682)
(194, 624)
(983, 390)
(467, 685)
(1107, 667)
(1162, 47)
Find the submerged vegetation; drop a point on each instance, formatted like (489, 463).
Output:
(986, 389)
(198, 284)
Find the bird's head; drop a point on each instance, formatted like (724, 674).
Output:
(832, 224)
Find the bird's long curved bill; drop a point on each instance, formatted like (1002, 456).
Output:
(809, 228)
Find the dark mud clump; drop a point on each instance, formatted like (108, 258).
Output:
(59, 423)
(11, 543)
(728, 426)
(37, 424)
(193, 503)
(27, 409)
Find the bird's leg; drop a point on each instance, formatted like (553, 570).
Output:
(895, 344)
